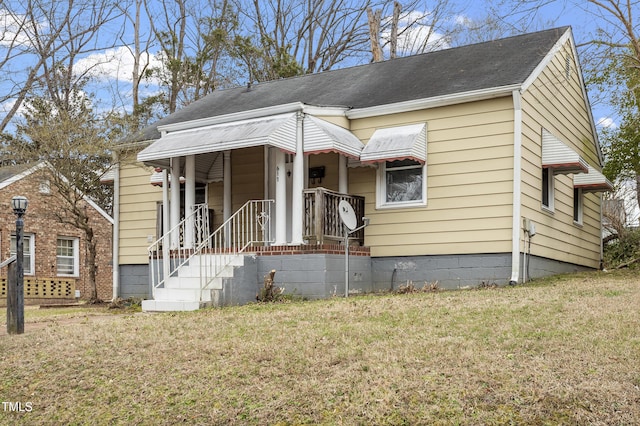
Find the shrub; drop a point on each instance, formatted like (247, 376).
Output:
(623, 250)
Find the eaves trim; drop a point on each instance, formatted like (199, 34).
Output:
(434, 102)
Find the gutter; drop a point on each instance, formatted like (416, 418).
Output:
(517, 187)
(115, 261)
(255, 113)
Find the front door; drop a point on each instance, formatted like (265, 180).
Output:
(271, 178)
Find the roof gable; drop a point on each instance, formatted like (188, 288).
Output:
(12, 174)
(476, 67)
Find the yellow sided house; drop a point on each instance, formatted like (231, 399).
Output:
(477, 164)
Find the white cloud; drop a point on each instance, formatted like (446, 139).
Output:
(16, 29)
(415, 34)
(606, 122)
(113, 64)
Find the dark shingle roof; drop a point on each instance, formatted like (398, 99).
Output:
(7, 172)
(474, 67)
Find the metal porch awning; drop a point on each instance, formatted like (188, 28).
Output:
(279, 131)
(321, 136)
(559, 157)
(593, 181)
(397, 143)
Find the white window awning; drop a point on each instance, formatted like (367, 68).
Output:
(397, 143)
(559, 157)
(321, 136)
(278, 131)
(593, 181)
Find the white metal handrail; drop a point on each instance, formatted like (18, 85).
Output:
(170, 252)
(249, 226)
(8, 261)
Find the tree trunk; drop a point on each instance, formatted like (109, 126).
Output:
(93, 268)
(393, 42)
(374, 33)
(638, 190)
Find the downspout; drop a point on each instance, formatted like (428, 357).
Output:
(115, 261)
(517, 188)
(601, 266)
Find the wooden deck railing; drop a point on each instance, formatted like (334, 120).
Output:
(321, 219)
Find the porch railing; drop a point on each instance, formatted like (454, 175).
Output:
(169, 252)
(322, 219)
(248, 227)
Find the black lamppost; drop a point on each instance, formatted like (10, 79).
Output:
(15, 310)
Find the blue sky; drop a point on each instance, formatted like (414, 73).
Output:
(116, 63)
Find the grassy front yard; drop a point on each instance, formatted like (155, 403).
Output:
(561, 351)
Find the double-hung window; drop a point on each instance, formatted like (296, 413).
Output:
(578, 202)
(547, 188)
(67, 256)
(28, 251)
(402, 183)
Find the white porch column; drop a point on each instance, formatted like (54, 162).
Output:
(226, 182)
(343, 179)
(166, 213)
(226, 196)
(189, 200)
(175, 202)
(281, 199)
(297, 185)
(166, 223)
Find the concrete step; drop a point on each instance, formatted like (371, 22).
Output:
(181, 294)
(192, 271)
(170, 305)
(183, 282)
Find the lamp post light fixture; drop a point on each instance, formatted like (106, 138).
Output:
(19, 204)
(15, 306)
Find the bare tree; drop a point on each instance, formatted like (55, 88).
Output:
(71, 140)
(195, 40)
(36, 34)
(414, 27)
(373, 18)
(318, 34)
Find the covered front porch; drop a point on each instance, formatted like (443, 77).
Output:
(255, 186)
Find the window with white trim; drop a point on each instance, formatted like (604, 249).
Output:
(547, 188)
(578, 203)
(401, 183)
(28, 251)
(67, 258)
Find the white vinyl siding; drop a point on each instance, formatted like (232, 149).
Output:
(556, 104)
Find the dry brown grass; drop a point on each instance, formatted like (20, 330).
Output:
(565, 351)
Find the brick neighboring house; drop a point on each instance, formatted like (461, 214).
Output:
(55, 253)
